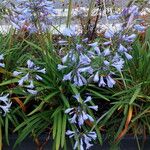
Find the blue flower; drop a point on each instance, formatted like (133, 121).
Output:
(109, 34)
(110, 81)
(101, 82)
(67, 77)
(139, 27)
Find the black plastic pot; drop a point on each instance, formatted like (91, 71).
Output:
(127, 143)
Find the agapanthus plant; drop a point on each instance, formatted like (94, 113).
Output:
(99, 61)
(28, 76)
(5, 104)
(77, 116)
(31, 15)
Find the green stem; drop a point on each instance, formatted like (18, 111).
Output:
(69, 13)
(123, 80)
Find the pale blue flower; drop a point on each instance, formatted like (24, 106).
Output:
(67, 77)
(30, 64)
(101, 82)
(42, 70)
(106, 52)
(73, 119)
(110, 81)
(86, 69)
(77, 97)
(23, 79)
(16, 73)
(38, 77)
(69, 32)
(139, 27)
(79, 80)
(33, 92)
(67, 111)
(97, 51)
(64, 59)
(2, 65)
(84, 59)
(130, 38)
(5, 106)
(114, 17)
(31, 85)
(109, 34)
(96, 77)
(122, 48)
(117, 62)
(128, 56)
(107, 43)
(94, 107)
(107, 63)
(90, 118)
(2, 57)
(61, 67)
(95, 44)
(70, 133)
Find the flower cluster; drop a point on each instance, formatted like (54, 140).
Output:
(5, 104)
(99, 62)
(82, 138)
(31, 15)
(78, 116)
(29, 75)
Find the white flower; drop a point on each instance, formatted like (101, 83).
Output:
(23, 79)
(90, 118)
(77, 97)
(31, 86)
(38, 77)
(64, 59)
(2, 65)
(68, 110)
(30, 64)
(60, 67)
(102, 83)
(42, 71)
(94, 107)
(73, 119)
(34, 92)
(96, 77)
(16, 73)
(2, 57)
(7, 103)
(89, 98)
(70, 133)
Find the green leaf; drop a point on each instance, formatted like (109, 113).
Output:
(33, 45)
(8, 82)
(137, 91)
(59, 130)
(6, 129)
(98, 95)
(64, 121)
(48, 97)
